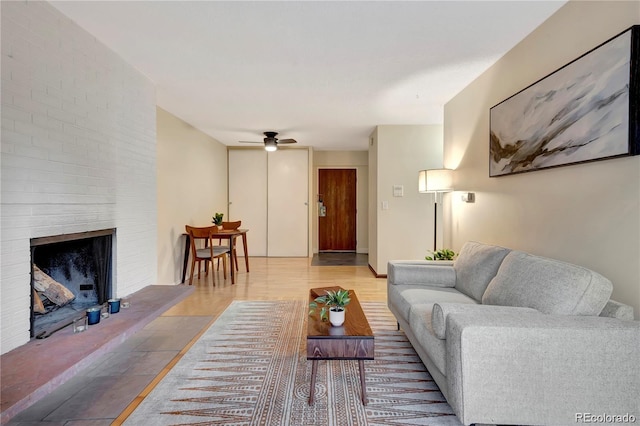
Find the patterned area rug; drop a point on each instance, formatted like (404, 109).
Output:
(250, 368)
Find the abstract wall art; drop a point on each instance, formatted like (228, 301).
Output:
(585, 111)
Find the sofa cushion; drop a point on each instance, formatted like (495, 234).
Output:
(402, 297)
(548, 285)
(420, 323)
(441, 311)
(476, 266)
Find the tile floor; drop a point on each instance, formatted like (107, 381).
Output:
(99, 393)
(340, 259)
(107, 354)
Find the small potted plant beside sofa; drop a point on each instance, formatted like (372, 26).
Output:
(444, 254)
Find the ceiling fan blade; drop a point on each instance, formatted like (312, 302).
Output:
(287, 141)
(249, 142)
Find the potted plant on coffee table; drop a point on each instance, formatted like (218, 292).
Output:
(334, 304)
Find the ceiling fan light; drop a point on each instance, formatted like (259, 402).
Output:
(270, 145)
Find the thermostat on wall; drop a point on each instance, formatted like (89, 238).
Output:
(398, 190)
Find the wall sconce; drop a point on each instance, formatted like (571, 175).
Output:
(469, 197)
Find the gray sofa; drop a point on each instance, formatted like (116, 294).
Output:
(512, 338)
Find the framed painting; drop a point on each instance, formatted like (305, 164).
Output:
(587, 110)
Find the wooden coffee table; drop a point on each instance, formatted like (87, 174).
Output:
(352, 341)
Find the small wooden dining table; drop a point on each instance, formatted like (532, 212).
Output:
(224, 234)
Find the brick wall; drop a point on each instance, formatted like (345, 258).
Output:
(78, 153)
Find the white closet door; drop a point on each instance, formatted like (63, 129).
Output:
(248, 197)
(288, 203)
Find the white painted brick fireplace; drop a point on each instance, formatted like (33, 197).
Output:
(78, 153)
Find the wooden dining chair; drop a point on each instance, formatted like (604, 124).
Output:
(207, 253)
(232, 226)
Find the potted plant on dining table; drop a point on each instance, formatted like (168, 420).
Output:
(217, 219)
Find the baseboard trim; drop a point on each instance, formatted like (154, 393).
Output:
(375, 274)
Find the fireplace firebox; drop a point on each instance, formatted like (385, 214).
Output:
(69, 274)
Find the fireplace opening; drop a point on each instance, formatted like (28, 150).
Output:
(70, 273)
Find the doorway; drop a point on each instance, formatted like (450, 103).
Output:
(337, 210)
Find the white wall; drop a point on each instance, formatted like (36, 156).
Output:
(358, 160)
(192, 186)
(78, 153)
(588, 214)
(405, 229)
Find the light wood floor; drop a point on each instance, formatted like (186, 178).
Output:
(108, 390)
(269, 279)
(277, 279)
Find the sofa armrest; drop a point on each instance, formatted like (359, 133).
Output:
(441, 311)
(540, 369)
(618, 310)
(421, 272)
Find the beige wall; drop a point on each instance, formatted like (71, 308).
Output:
(373, 199)
(358, 160)
(192, 186)
(588, 214)
(405, 229)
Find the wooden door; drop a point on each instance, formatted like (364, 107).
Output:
(337, 228)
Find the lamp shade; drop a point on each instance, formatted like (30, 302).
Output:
(435, 180)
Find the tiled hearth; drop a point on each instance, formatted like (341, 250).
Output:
(33, 370)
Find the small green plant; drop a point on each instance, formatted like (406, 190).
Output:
(333, 300)
(217, 218)
(444, 254)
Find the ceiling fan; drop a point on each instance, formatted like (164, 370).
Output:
(271, 141)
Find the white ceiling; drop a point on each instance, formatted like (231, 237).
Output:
(323, 73)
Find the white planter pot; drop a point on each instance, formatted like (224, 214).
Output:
(336, 318)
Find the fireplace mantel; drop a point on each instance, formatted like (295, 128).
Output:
(71, 237)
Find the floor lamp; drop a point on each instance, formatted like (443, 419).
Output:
(435, 181)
